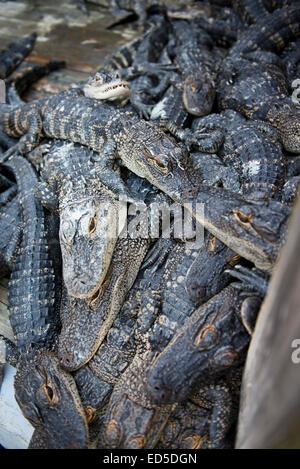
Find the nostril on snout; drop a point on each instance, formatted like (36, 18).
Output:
(67, 359)
(158, 391)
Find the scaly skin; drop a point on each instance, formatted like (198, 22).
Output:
(132, 421)
(48, 398)
(10, 234)
(198, 64)
(46, 394)
(207, 274)
(259, 91)
(88, 216)
(253, 228)
(250, 11)
(253, 160)
(273, 35)
(86, 322)
(290, 190)
(186, 428)
(207, 418)
(211, 342)
(82, 334)
(31, 288)
(95, 380)
(142, 147)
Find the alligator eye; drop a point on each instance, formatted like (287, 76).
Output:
(160, 165)
(92, 225)
(242, 218)
(50, 394)
(206, 337)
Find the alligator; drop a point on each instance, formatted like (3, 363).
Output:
(224, 29)
(290, 57)
(88, 212)
(90, 329)
(211, 168)
(207, 351)
(132, 421)
(96, 379)
(259, 91)
(186, 428)
(253, 228)
(14, 54)
(48, 397)
(250, 11)
(214, 339)
(273, 35)
(33, 295)
(197, 61)
(208, 275)
(85, 322)
(156, 157)
(31, 291)
(253, 150)
(7, 195)
(107, 86)
(189, 425)
(141, 146)
(162, 307)
(290, 190)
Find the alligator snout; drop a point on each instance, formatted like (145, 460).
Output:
(159, 392)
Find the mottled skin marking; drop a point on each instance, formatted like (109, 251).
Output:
(259, 91)
(10, 234)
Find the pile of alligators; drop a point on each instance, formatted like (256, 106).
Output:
(127, 337)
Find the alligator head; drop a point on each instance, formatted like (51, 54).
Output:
(48, 398)
(253, 228)
(87, 237)
(285, 117)
(106, 86)
(212, 340)
(156, 157)
(198, 94)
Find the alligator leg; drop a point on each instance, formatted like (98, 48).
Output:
(249, 311)
(207, 142)
(30, 138)
(219, 397)
(253, 280)
(108, 175)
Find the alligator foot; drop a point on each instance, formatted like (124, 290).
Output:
(251, 280)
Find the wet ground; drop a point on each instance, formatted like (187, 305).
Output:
(65, 33)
